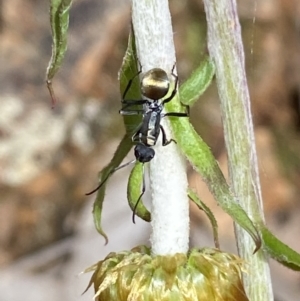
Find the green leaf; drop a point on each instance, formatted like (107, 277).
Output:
(134, 191)
(59, 20)
(200, 156)
(121, 152)
(279, 251)
(128, 72)
(198, 82)
(193, 196)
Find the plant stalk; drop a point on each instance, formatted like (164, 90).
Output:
(170, 208)
(226, 49)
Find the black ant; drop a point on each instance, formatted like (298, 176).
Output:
(155, 85)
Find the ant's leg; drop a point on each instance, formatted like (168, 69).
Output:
(143, 191)
(179, 114)
(131, 112)
(164, 137)
(174, 75)
(108, 175)
(136, 136)
(126, 103)
(187, 110)
(130, 103)
(175, 87)
(176, 114)
(130, 81)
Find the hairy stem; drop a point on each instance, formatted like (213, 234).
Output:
(226, 49)
(170, 215)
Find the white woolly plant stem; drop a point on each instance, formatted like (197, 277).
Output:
(226, 49)
(170, 212)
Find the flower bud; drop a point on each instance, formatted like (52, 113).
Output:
(136, 275)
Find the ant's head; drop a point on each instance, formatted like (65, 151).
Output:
(143, 153)
(155, 84)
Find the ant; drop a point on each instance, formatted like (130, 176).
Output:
(155, 85)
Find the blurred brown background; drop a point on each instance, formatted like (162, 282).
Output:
(50, 158)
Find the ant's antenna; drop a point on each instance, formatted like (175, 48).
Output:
(108, 175)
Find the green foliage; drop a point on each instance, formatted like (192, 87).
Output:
(278, 250)
(128, 72)
(197, 83)
(194, 197)
(190, 143)
(201, 157)
(121, 152)
(199, 154)
(59, 20)
(134, 191)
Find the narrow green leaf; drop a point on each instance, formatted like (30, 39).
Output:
(134, 191)
(200, 156)
(193, 196)
(197, 83)
(59, 20)
(279, 251)
(121, 152)
(129, 71)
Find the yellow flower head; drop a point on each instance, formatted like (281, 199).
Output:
(203, 275)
